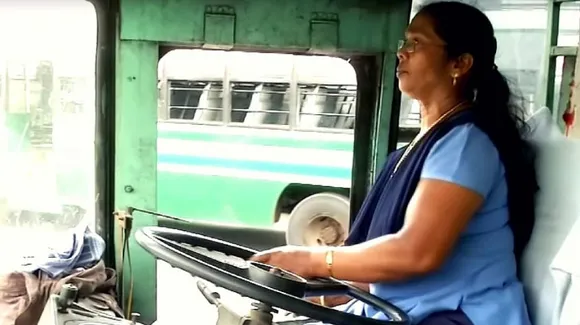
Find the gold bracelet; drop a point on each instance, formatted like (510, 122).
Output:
(322, 302)
(329, 258)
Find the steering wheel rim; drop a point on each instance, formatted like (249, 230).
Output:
(158, 242)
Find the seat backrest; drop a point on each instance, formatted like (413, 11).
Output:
(566, 274)
(266, 101)
(547, 279)
(210, 98)
(313, 104)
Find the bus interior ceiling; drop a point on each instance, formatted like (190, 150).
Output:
(242, 113)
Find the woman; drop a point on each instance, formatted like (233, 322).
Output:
(440, 233)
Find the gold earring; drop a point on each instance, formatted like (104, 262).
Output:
(454, 79)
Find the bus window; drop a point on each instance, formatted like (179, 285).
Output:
(520, 30)
(199, 101)
(255, 103)
(272, 153)
(327, 106)
(264, 121)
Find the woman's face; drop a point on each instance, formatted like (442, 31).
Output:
(423, 63)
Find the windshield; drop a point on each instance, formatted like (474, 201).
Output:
(46, 123)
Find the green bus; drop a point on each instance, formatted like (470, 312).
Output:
(247, 138)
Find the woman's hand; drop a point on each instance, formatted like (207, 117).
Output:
(307, 262)
(303, 261)
(330, 301)
(333, 301)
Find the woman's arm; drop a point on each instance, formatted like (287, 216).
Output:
(461, 169)
(437, 214)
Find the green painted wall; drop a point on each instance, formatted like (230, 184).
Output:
(136, 155)
(266, 24)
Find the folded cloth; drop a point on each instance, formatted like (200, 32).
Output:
(81, 247)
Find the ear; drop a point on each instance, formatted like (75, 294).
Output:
(461, 66)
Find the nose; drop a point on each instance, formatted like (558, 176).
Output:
(403, 49)
(402, 55)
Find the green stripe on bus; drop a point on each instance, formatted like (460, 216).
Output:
(307, 143)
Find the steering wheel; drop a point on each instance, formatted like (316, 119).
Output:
(207, 258)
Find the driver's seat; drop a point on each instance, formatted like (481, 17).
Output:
(550, 268)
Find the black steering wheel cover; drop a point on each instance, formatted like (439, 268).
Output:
(149, 239)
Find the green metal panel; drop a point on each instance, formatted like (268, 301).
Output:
(386, 123)
(136, 156)
(293, 25)
(550, 65)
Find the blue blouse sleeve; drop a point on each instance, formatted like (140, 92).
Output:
(465, 156)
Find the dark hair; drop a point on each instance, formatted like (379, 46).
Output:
(500, 114)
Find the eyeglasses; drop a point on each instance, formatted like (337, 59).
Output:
(407, 45)
(410, 45)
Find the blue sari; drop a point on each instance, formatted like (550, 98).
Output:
(383, 211)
